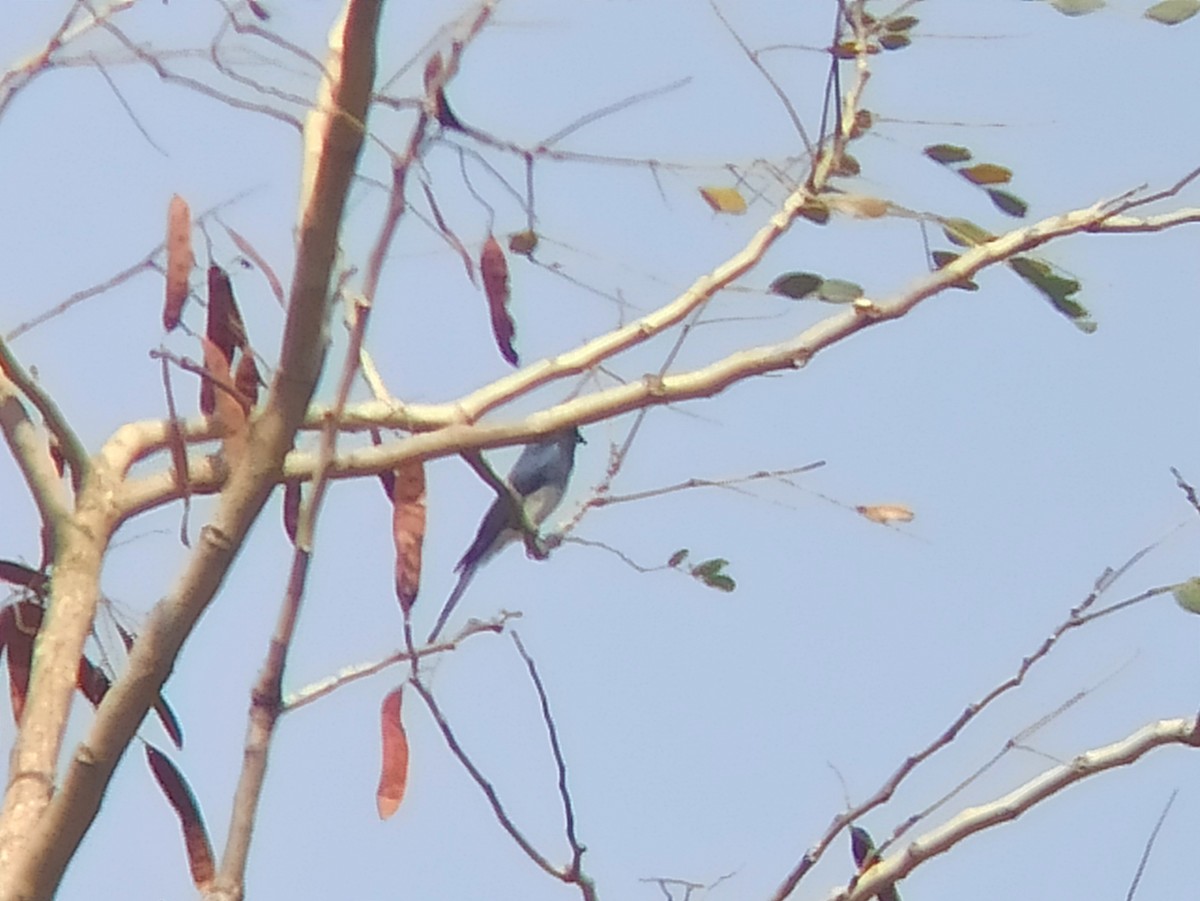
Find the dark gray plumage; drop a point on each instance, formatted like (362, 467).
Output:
(539, 478)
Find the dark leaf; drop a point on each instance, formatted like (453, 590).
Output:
(195, 835)
(900, 23)
(24, 576)
(1008, 203)
(894, 40)
(796, 285)
(246, 379)
(291, 508)
(494, 269)
(815, 211)
(947, 153)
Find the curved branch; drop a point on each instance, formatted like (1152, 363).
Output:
(1184, 731)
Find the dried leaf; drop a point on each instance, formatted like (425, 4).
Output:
(986, 174)
(162, 709)
(91, 681)
(885, 514)
(246, 379)
(494, 268)
(23, 576)
(450, 237)
(847, 166)
(195, 835)
(436, 92)
(724, 200)
(225, 327)
(393, 772)
(408, 530)
(56, 454)
(860, 206)
(227, 411)
(523, 243)
(255, 257)
(179, 260)
(19, 624)
(291, 509)
(863, 120)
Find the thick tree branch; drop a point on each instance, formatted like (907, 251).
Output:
(1164, 733)
(334, 141)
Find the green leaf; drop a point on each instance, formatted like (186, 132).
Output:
(947, 153)
(900, 23)
(1187, 595)
(942, 259)
(1056, 288)
(678, 557)
(796, 285)
(986, 174)
(1008, 203)
(836, 290)
(1077, 7)
(1172, 12)
(711, 573)
(965, 233)
(894, 40)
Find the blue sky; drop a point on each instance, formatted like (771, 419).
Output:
(706, 734)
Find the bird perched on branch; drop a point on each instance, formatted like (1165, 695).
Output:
(538, 480)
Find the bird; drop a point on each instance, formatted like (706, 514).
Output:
(539, 479)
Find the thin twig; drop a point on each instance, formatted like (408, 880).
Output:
(889, 787)
(502, 817)
(560, 762)
(1141, 867)
(318, 690)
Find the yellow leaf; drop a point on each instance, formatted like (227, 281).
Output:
(885, 514)
(724, 200)
(859, 205)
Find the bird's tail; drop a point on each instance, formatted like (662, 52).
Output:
(464, 579)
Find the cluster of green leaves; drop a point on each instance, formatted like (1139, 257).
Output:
(1059, 289)
(708, 572)
(1167, 12)
(886, 33)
